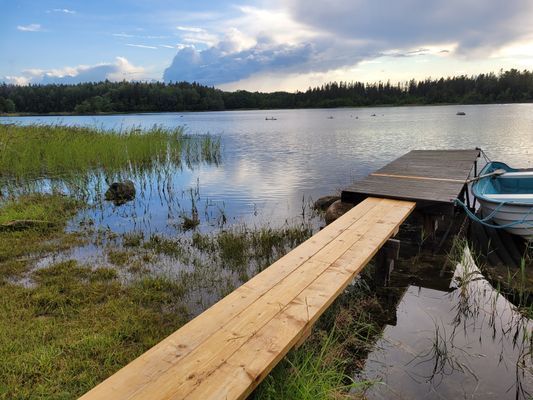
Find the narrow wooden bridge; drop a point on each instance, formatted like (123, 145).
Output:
(225, 352)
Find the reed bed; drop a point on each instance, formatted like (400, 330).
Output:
(56, 151)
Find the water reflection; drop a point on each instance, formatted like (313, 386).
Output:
(269, 166)
(467, 343)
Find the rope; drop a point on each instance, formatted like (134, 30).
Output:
(483, 221)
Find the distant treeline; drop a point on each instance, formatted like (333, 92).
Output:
(506, 87)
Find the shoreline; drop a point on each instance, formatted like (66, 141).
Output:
(73, 114)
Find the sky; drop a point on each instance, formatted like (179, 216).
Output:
(261, 45)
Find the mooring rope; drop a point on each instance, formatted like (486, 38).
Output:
(483, 221)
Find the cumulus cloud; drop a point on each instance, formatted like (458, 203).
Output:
(116, 71)
(30, 28)
(215, 65)
(293, 37)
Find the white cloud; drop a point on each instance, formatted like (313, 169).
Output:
(198, 36)
(120, 69)
(190, 29)
(123, 35)
(64, 11)
(17, 80)
(30, 28)
(141, 46)
(129, 36)
(332, 37)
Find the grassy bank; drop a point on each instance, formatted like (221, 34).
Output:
(55, 151)
(76, 325)
(31, 226)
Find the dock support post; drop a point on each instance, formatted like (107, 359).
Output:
(385, 259)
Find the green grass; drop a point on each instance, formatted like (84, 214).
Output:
(322, 367)
(18, 247)
(55, 151)
(76, 326)
(309, 373)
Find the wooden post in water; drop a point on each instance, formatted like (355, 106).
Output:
(385, 259)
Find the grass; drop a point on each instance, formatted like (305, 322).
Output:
(66, 326)
(71, 326)
(77, 325)
(322, 367)
(56, 151)
(17, 248)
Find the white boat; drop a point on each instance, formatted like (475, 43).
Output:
(505, 195)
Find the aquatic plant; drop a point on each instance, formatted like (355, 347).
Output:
(35, 152)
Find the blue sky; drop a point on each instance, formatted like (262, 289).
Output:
(261, 45)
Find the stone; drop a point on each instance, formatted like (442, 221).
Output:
(323, 203)
(337, 209)
(120, 192)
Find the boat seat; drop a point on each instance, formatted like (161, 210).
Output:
(509, 197)
(517, 175)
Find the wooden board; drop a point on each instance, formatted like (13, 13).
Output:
(428, 177)
(227, 350)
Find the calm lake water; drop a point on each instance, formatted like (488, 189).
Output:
(452, 339)
(271, 168)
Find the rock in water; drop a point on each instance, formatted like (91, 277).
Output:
(120, 192)
(324, 202)
(337, 209)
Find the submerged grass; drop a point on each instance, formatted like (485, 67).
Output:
(52, 151)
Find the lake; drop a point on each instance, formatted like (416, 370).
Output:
(270, 172)
(270, 167)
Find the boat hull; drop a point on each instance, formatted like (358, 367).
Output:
(505, 195)
(510, 213)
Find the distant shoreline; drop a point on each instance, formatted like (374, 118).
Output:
(73, 114)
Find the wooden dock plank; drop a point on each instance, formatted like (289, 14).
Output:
(403, 178)
(191, 358)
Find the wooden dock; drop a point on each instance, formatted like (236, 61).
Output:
(431, 178)
(225, 352)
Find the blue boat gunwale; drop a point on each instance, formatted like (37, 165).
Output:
(480, 191)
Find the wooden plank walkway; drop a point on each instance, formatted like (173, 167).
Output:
(225, 352)
(428, 177)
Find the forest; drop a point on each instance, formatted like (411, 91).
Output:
(510, 86)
